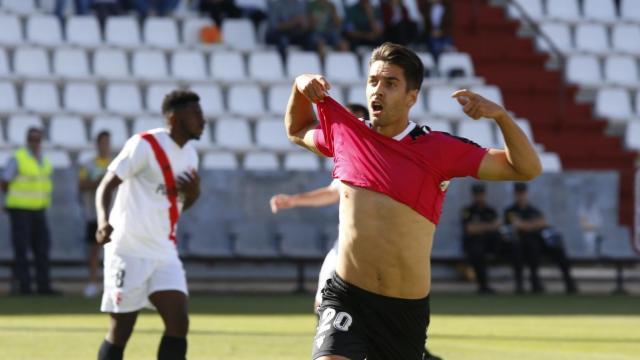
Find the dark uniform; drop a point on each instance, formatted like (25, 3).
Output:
(478, 246)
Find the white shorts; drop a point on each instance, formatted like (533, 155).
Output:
(129, 280)
(328, 267)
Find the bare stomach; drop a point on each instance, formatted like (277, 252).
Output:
(385, 246)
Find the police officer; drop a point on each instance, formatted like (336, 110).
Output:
(537, 238)
(26, 180)
(482, 237)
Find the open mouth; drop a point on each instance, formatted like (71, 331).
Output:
(376, 107)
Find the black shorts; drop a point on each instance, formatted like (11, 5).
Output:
(90, 236)
(359, 324)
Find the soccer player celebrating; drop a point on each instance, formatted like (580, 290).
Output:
(394, 178)
(155, 174)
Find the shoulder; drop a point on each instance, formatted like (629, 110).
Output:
(453, 139)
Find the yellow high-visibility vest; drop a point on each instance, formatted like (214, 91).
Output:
(31, 188)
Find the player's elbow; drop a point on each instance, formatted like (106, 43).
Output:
(531, 171)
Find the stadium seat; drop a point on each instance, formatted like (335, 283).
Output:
(59, 159)
(155, 95)
(260, 161)
(10, 30)
(559, 33)
(31, 62)
(437, 125)
(22, 7)
(68, 132)
(630, 11)
(625, 38)
(253, 239)
(191, 29)
(9, 98)
(342, 67)
(638, 102)
(110, 64)
(123, 99)
(82, 98)
(440, 103)
(303, 62)
(489, 92)
(270, 135)
(265, 66)
(614, 104)
(122, 31)
(210, 99)
(41, 97)
(116, 127)
(83, 31)
(150, 65)
(621, 70)
(455, 62)
(551, 162)
(160, 32)
(479, 132)
(238, 34)
(299, 240)
(71, 63)
(188, 66)
(533, 9)
(566, 10)
(18, 125)
(246, 100)
(583, 70)
(418, 109)
(5, 71)
(233, 133)
(145, 123)
(356, 94)
(204, 143)
(599, 10)
(227, 66)
(632, 135)
(428, 62)
(301, 161)
(220, 160)
(278, 98)
(592, 38)
(44, 30)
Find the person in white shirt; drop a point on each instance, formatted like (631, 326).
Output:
(156, 178)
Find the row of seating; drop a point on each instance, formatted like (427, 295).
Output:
(571, 11)
(194, 65)
(616, 104)
(591, 38)
(87, 98)
(590, 71)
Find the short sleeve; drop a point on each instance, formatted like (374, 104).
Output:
(320, 141)
(461, 157)
(132, 158)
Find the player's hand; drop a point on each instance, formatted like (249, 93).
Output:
(103, 233)
(188, 183)
(281, 202)
(476, 106)
(313, 87)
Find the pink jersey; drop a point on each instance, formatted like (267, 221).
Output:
(413, 170)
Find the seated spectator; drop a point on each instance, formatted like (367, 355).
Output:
(219, 10)
(398, 26)
(82, 7)
(102, 8)
(437, 18)
(591, 220)
(482, 237)
(145, 8)
(325, 25)
(363, 25)
(287, 24)
(537, 237)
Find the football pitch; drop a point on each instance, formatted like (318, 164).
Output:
(251, 327)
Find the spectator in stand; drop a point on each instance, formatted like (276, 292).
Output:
(102, 8)
(437, 17)
(363, 24)
(325, 25)
(287, 24)
(145, 8)
(398, 26)
(82, 7)
(537, 237)
(219, 10)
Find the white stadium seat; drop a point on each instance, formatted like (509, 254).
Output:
(41, 97)
(342, 67)
(260, 161)
(614, 104)
(191, 29)
(122, 31)
(592, 38)
(565, 10)
(246, 100)
(233, 133)
(10, 30)
(5, 71)
(301, 161)
(204, 143)
(551, 162)
(599, 10)
(146, 123)
(220, 160)
(115, 125)
(161, 32)
(278, 98)
(155, 95)
(621, 70)
(428, 62)
(123, 99)
(630, 11)
(68, 132)
(189, 66)
(227, 66)
(111, 64)
(71, 63)
(150, 65)
(83, 31)
(238, 34)
(82, 98)
(18, 125)
(210, 99)
(418, 109)
(270, 135)
(440, 102)
(490, 92)
(59, 159)
(479, 132)
(625, 38)
(455, 61)
(356, 94)
(44, 30)
(638, 102)
(22, 7)
(559, 33)
(583, 70)
(303, 62)
(632, 135)
(266, 66)
(31, 62)
(9, 98)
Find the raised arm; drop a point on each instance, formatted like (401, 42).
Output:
(518, 160)
(299, 119)
(108, 185)
(315, 198)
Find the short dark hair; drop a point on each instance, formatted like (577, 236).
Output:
(403, 57)
(101, 134)
(353, 107)
(34, 129)
(520, 187)
(178, 99)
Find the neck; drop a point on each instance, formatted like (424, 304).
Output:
(178, 137)
(392, 129)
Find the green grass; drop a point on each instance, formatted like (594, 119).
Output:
(282, 327)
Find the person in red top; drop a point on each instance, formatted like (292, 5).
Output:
(394, 178)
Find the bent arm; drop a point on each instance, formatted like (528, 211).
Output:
(108, 185)
(299, 119)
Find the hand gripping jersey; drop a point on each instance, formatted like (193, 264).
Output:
(414, 171)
